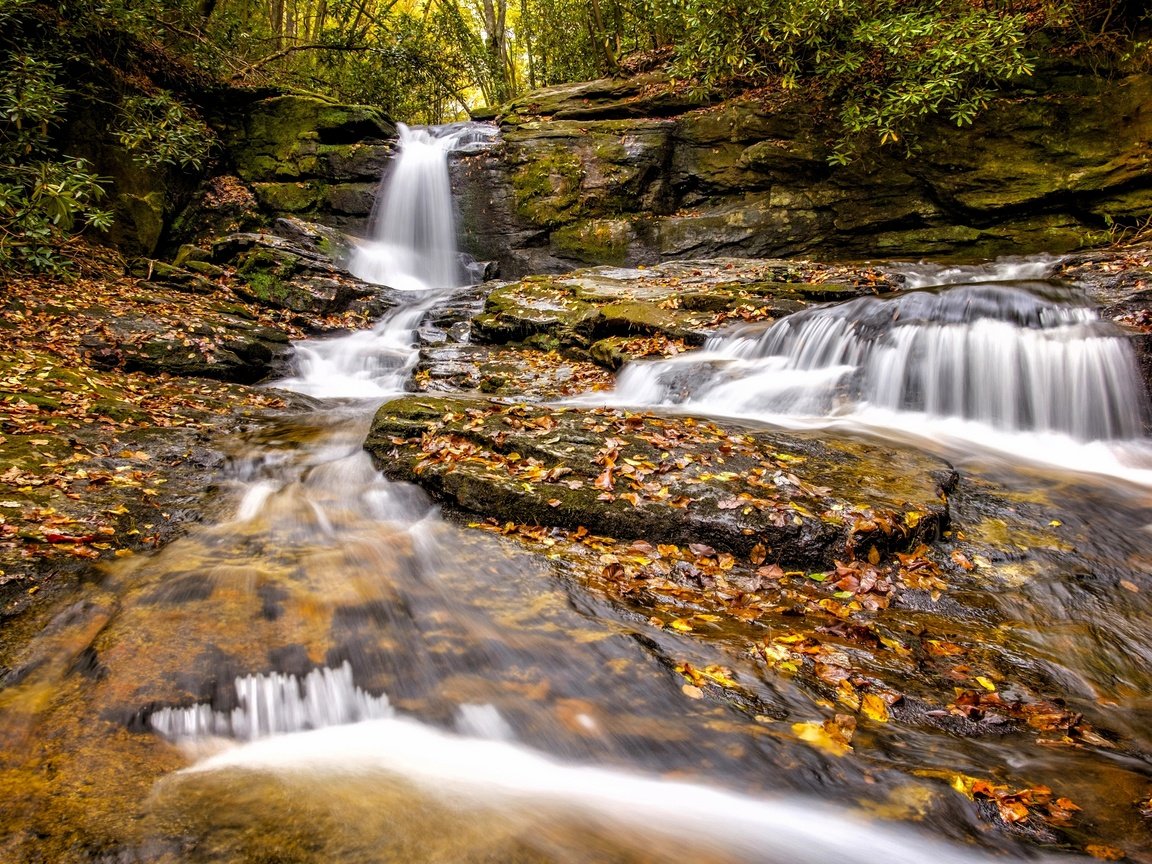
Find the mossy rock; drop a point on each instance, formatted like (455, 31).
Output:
(672, 480)
(281, 138)
(547, 188)
(535, 306)
(289, 197)
(351, 199)
(597, 241)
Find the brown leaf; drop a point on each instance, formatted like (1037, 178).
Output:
(613, 571)
(758, 554)
(962, 560)
(1105, 853)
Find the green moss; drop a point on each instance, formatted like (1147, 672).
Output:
(283, 135)
(266, 288)
(598, 241)
(288, 197)
(547, 188)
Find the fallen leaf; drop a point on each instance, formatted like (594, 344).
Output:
(874, 708)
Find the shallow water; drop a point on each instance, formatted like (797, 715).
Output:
(335, 672)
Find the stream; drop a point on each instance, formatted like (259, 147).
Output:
(337, 672)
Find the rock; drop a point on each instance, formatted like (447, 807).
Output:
(180, 278)
(222, 346)
(223, 204)
(584, 176)
(307, 155)
(320, 240)
(663, 479)
(647, 95)
(683, 301)
(506, 370)
(295, 274)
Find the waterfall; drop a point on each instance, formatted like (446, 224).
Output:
(1015, 357)
(412, 242)
(412, 249)
(274, 704)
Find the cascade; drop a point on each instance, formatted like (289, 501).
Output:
(412, 242)
(412, 249)
(1024, 357)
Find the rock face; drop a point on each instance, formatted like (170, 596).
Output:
(306, 156)
(669, 480)
(602, 174)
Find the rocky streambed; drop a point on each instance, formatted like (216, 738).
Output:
(859, 613)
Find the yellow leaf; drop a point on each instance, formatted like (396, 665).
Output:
(684, 625)
(720, 675)
(847, 695)
(874, 708)
(985, 683)
(818, 734)
(964, 784)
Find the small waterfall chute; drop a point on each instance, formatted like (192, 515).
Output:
(1015, 357)
(412, 232)
(275, 704)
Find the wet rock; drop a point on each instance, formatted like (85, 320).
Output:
(778, 498)
(506, 371)
(296, 272)
(1120, 280)
(683, 301)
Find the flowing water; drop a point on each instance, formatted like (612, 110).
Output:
(989, 356)
(335, 673)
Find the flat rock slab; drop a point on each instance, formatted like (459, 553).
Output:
(684, 300)
(762, 495)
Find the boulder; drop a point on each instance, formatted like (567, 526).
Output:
(787, 499)
(296, 272)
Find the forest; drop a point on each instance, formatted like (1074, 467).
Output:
(875, 68)
(575, 431)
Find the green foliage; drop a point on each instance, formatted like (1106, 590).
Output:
(158, 130)
(42, 195)
(884, 63)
